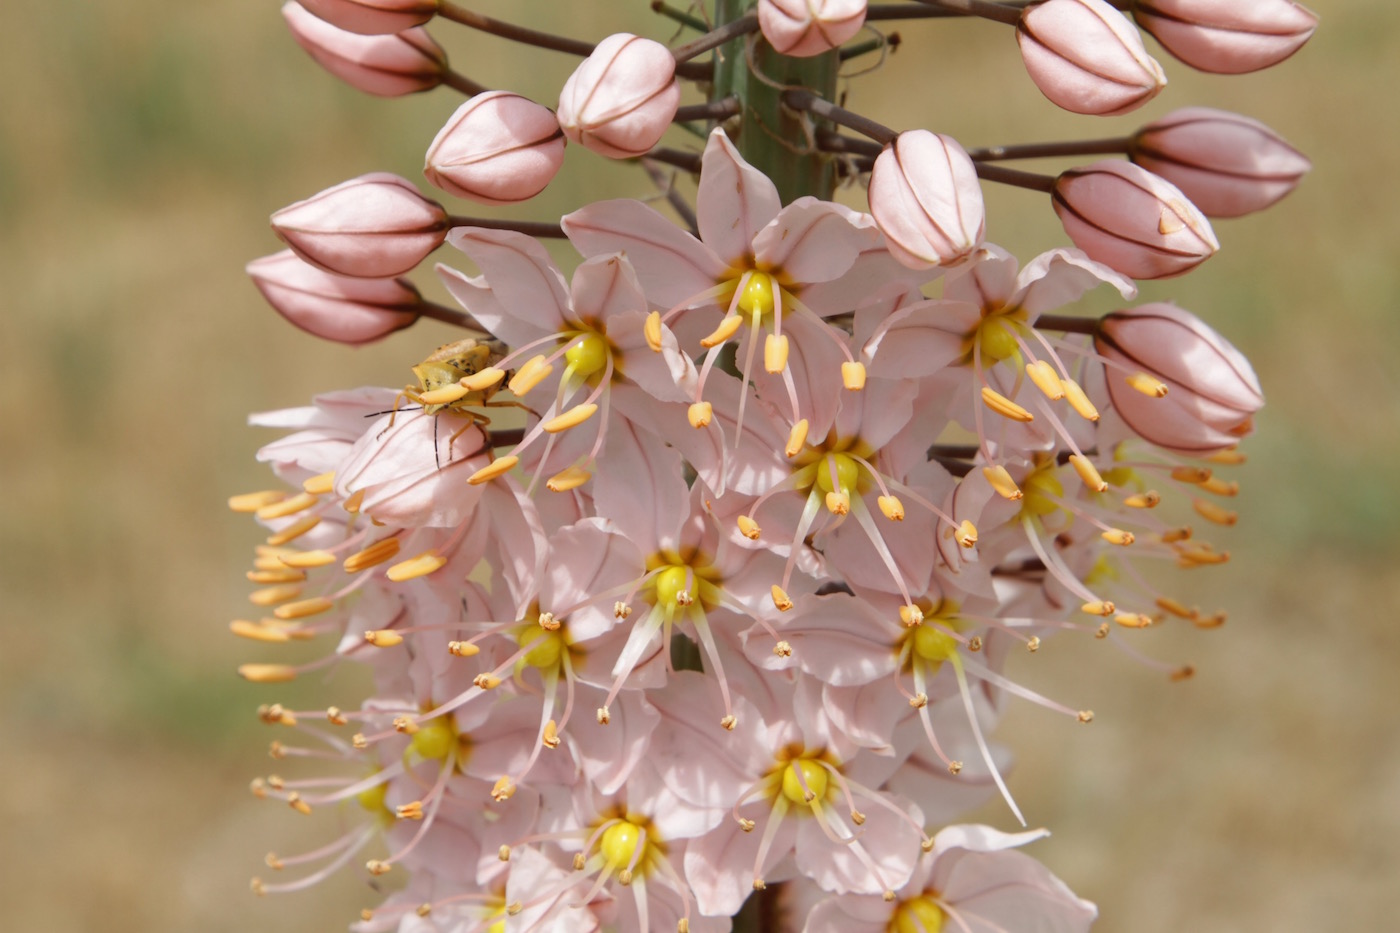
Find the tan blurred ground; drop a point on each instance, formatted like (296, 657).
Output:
(142, 146)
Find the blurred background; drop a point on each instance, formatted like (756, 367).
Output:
(142, 146)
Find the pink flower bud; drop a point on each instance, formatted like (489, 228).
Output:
(498, 148)
(386, 66)
(1228, 165)
(1227, 36)
(1127, 218)
(336, 307)
(1087, 58)
(373, 17)
(373, 226)
(925, 198)
(802, 28)
(622, 98)
(1212, 392)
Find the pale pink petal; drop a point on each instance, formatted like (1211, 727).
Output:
(520, 273)
(1060, 277)
(641, 488)
(814, 241)
(672, 266)
(734, 201)
(610, 754)
(920, 339)
(603, 287)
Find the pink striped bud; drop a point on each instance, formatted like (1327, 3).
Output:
(1087, 58)
(335, 307)
(1227, 36)
(1212, 392)
(373, 17)
(385, 66)
(622, 98)
(1228, 165)
(498, 148)
(373, 226)
(802, 28)
(925, 198)
(1127, 218)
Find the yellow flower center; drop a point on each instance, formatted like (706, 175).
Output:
(671, 587)
(434, 739)
(619, 843)
(934, 644)
(996, 339)
(587, 355)
(1041, 489)
(548, 646)
(812, 774)
(758, 295)
(920, 915)
(847, 473)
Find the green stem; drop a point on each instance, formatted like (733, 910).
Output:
(771, 137)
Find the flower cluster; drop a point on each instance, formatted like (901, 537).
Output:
(692, 577)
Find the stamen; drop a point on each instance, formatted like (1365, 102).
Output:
(1212, 512)
(377, 553)
(1118, 536)
(1004, 406)
(797, 439)
(534, 371)
(284, 575)
(1220, 487)
(445, 395)
(1190, 474)
(256, 632)
(892, 508)
(293, 531)
(304, 608)
(853, 376)
(748, 528)
(781, 598)
(267, 673)
(568, 479)
(1002, 482)
(383, 638)
(320, 485)
(1088, 473)
(298, 503)
(483, 380)
(498, 467)
(775, 353)
(1147, 385)
(652, 330)
(1046, 380)
(419, 566)
(572, 418)
(250, 502)
(272, 595)
(699, 414)
(1143, 500)
(1079, 401)
(723, 332)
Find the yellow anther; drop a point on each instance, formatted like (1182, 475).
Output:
(1217, 486)
(652, 330)
(1148, 385)
(965, 534)
(272, 595)
(503, 853)
(483, 380)
(498, 467)
(1167, 604)
(570, 419)
(406, 725)
(1173, 535)
(783, 649)
(1088, 473)
(853, 375)
(1190, 474)
(550, 738)
(911, 615)
(838, 503)
(699, 414)
(321, 484)
(445, 395)
(296, 803)
(1046, 380)
(503, 790)
(267, 673)
(1118, 536)
(728, 723)
(571, 478)
(1143, 500)
(535, 371)
(352, 505)
(423, 909)
(293, 531)
(603, 716)
(621, 610)
(303, 608)
(1210, 621)
(415, 567)
(549, 623)
(1133, 620)
(1212, 512)
(383, 638)
(290, 506)
(918, 701)
(797, 439)
(1079, 401)
(377, 553)
(1227, 457)
(283, 575)
(892, 508)
(748, 528)
(746, 825)
(486, 681)
(245, 629)
(1100, 608)
(272, 861)
(1086, 716)
(410, 811)
(1002, 482)
(462, 649)
(857, 818)
(720, 334)
(1033, 644)
(760, 885)
(376, 867)
(780, 598)
(775, 352)
(1004, 406)
(335, 716)
(1102, 631)
(252, 501)
(1185, 672)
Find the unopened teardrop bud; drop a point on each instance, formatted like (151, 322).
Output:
(622, 98)
(803, 28)
(385, 66)
(497, 148)
(342, 308)
(1227, 36)
(1086, 57)
(925, 198)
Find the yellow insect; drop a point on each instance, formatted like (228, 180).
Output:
(439, 385)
